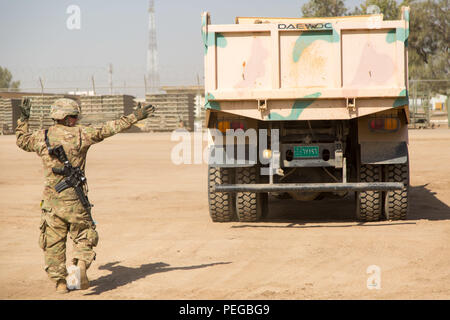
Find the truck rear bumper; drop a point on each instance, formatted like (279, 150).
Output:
(310, 187)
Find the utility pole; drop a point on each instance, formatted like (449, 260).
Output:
(42, 86)
(145, 86)
(93, 85)
(41, 109)
(110, 71)
(448, 112)
(152, 52)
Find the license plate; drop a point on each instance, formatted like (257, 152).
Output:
(306, 152)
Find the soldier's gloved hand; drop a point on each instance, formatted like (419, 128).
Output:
(144, 112)
(25, 109)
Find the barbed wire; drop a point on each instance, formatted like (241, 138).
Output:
(140, 90)
(429, 80)
(73, 74)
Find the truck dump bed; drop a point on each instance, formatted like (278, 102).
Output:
(306, 69)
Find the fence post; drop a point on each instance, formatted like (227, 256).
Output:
(415, 105)
(448, 112)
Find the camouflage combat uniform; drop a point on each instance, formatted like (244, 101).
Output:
(63, 213)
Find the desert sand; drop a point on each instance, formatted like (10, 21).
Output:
(157, 240)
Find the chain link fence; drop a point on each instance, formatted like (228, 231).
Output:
(428, 98)
(428, 103)
(128, 80)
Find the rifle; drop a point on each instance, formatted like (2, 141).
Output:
(73, 176)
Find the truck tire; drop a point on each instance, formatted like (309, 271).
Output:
(264, 204)
(221, 204)
(396, 201)
(368, 203)
(248, 204)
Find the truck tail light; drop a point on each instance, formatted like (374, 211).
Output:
(224, 125)
(384, 124)
(237, 125)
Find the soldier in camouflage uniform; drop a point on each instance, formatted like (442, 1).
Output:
(63, 212)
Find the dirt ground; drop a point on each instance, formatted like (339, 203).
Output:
(158, 242)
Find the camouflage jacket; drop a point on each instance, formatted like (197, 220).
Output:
(76, 142)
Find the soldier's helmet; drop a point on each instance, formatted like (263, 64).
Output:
(62, 108)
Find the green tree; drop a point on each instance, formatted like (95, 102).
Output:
(428, 43)
(324, 8)
(429, 35)
(6, 80)
(429, 28)
(389, 8)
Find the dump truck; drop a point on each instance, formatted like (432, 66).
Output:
(307, 108)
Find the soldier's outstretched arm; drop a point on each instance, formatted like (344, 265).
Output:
(91, 135)
(24, 139)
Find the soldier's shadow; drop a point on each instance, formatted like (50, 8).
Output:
(121, 275)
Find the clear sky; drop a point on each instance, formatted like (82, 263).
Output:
(35, 41)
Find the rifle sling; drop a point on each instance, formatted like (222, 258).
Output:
(47, 142)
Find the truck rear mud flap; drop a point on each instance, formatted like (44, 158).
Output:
(310, 187)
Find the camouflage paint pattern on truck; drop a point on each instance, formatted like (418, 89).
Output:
(315, 107)
(306, 69)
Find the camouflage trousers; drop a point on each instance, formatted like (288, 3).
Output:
(59, 218)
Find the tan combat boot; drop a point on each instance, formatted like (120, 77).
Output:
(61, 286)
(84, 281)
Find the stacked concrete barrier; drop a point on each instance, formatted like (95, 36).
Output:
(202, 112)
(91, 104)
(99, 109)
(9, 113)
(40, 111)
(173, 111)
(94, 110)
